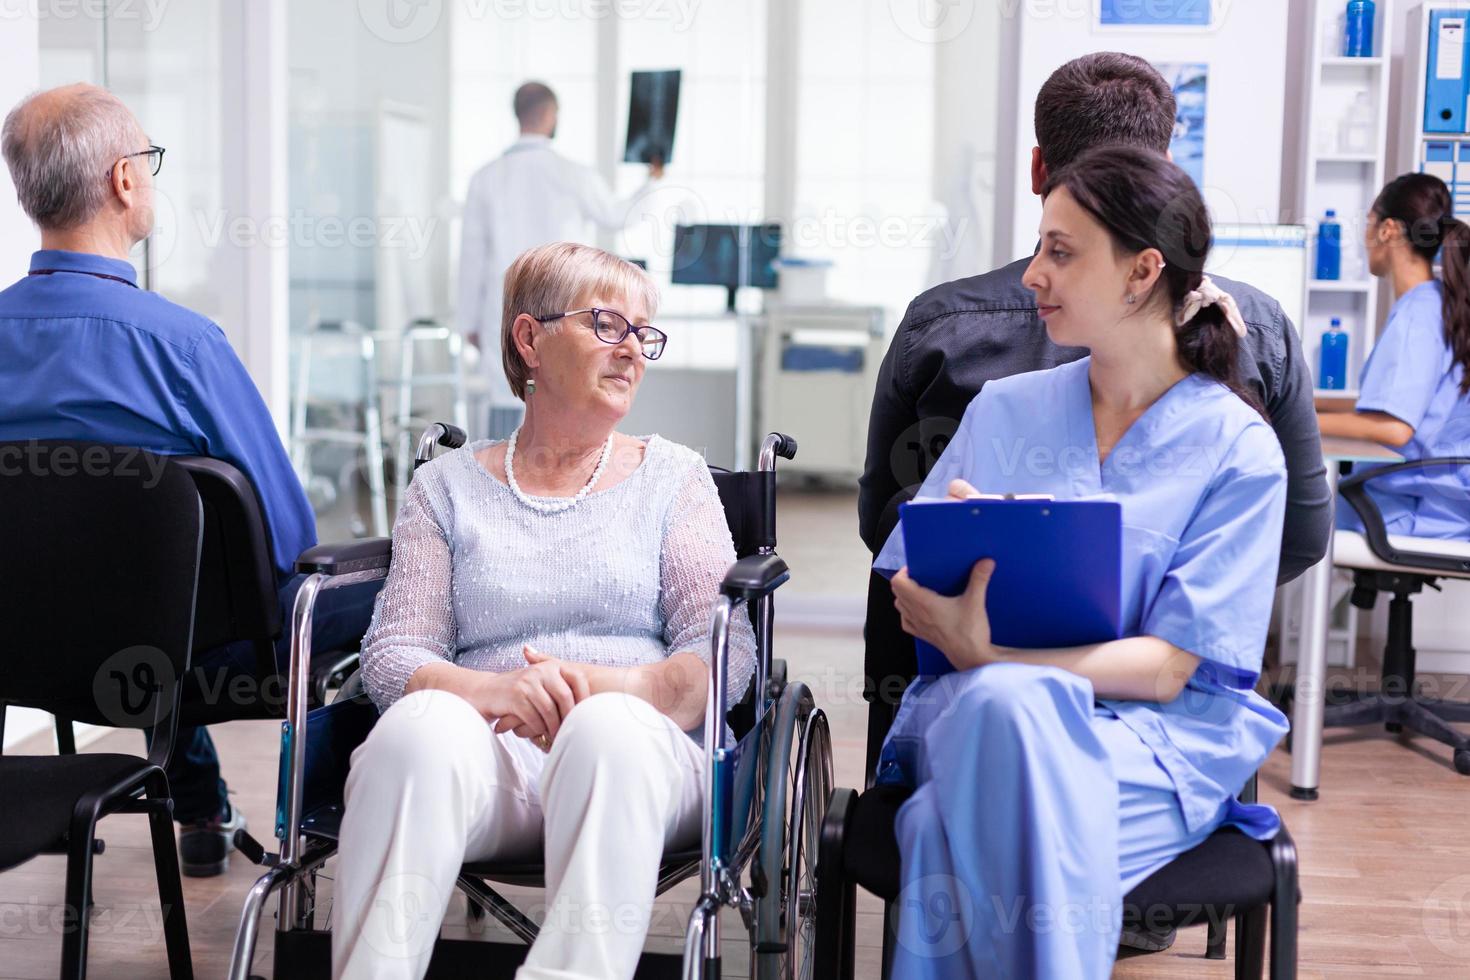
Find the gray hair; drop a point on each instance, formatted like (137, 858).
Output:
(60, 150)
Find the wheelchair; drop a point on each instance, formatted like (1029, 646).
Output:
(764, 805)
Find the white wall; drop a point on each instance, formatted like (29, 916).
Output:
(1246, 52)
(967, 144)
(20, 74)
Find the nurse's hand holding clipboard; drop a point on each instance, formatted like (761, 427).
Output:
(959, 626)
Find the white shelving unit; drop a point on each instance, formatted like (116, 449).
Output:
(1413, 141)
(1338, 174)
(1342, 176)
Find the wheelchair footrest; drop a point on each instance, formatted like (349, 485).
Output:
(254, 851)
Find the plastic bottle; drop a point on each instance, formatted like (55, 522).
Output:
(1332, 373)
(1356, 132)
(1329, 247)
(1358, 29)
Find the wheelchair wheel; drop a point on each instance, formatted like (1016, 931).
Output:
(798, 785)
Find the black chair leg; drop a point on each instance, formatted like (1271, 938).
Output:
(66, 737)
(1284, 901)
(1250, 943)
(77, 908)
(170, 888)
(1215, 945)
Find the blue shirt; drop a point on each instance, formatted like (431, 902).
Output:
(1412, 375)
(1202, 484)
(86, 354)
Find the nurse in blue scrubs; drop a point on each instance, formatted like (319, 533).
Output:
(1414, 393)
(1051, 782)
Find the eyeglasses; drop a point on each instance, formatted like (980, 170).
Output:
(154, 155)
(611, 327)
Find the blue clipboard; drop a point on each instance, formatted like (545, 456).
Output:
(1058, 567)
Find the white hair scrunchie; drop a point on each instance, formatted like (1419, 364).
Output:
(1209, 294)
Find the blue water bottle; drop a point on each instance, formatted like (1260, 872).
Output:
(1333, 373)
(1357, 39)
(1329, 247)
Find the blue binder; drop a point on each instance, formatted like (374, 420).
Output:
(1445, 75)
(1058, 567)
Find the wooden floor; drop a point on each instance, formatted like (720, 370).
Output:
(1385, 852)
(1385, 862)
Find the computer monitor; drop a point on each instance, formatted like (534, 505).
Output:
(726, 255)
(1272, 258)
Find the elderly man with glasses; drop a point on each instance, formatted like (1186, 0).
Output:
(85, 354)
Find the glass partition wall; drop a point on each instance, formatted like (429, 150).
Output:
(341, 239)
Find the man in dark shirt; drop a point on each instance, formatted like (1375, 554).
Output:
(86, 354)
(959, 335)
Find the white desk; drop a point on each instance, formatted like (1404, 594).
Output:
(1310, 698)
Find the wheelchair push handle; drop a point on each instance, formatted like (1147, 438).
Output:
(437, 434)
(775, 444)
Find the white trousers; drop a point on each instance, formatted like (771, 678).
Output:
(434, 786)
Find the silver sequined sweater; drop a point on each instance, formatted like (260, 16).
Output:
(626, 576)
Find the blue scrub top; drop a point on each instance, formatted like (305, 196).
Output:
(86, 354)
(1412, 375)
(1202, 484)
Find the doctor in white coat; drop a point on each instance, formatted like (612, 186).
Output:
(530, 195)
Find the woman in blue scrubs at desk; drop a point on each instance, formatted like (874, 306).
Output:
(1050, 782)
(1414, 393)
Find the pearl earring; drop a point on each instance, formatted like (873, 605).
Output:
(531, 382)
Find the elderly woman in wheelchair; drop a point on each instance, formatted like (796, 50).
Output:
(539, 649)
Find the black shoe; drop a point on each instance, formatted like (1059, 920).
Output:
(1137, 937)
(204, 847)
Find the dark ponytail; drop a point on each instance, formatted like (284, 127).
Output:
(1421, 204)
(1146, 201)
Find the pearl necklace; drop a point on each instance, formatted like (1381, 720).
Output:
(558, 505)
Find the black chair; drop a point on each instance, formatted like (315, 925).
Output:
(1401, 566)
(99, 567)
(1228, 876)
(237, 601)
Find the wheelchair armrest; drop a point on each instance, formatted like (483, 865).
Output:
(345, 558)
(754, 576)
(1355, 492)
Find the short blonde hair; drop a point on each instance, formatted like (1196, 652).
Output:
(558, 277)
